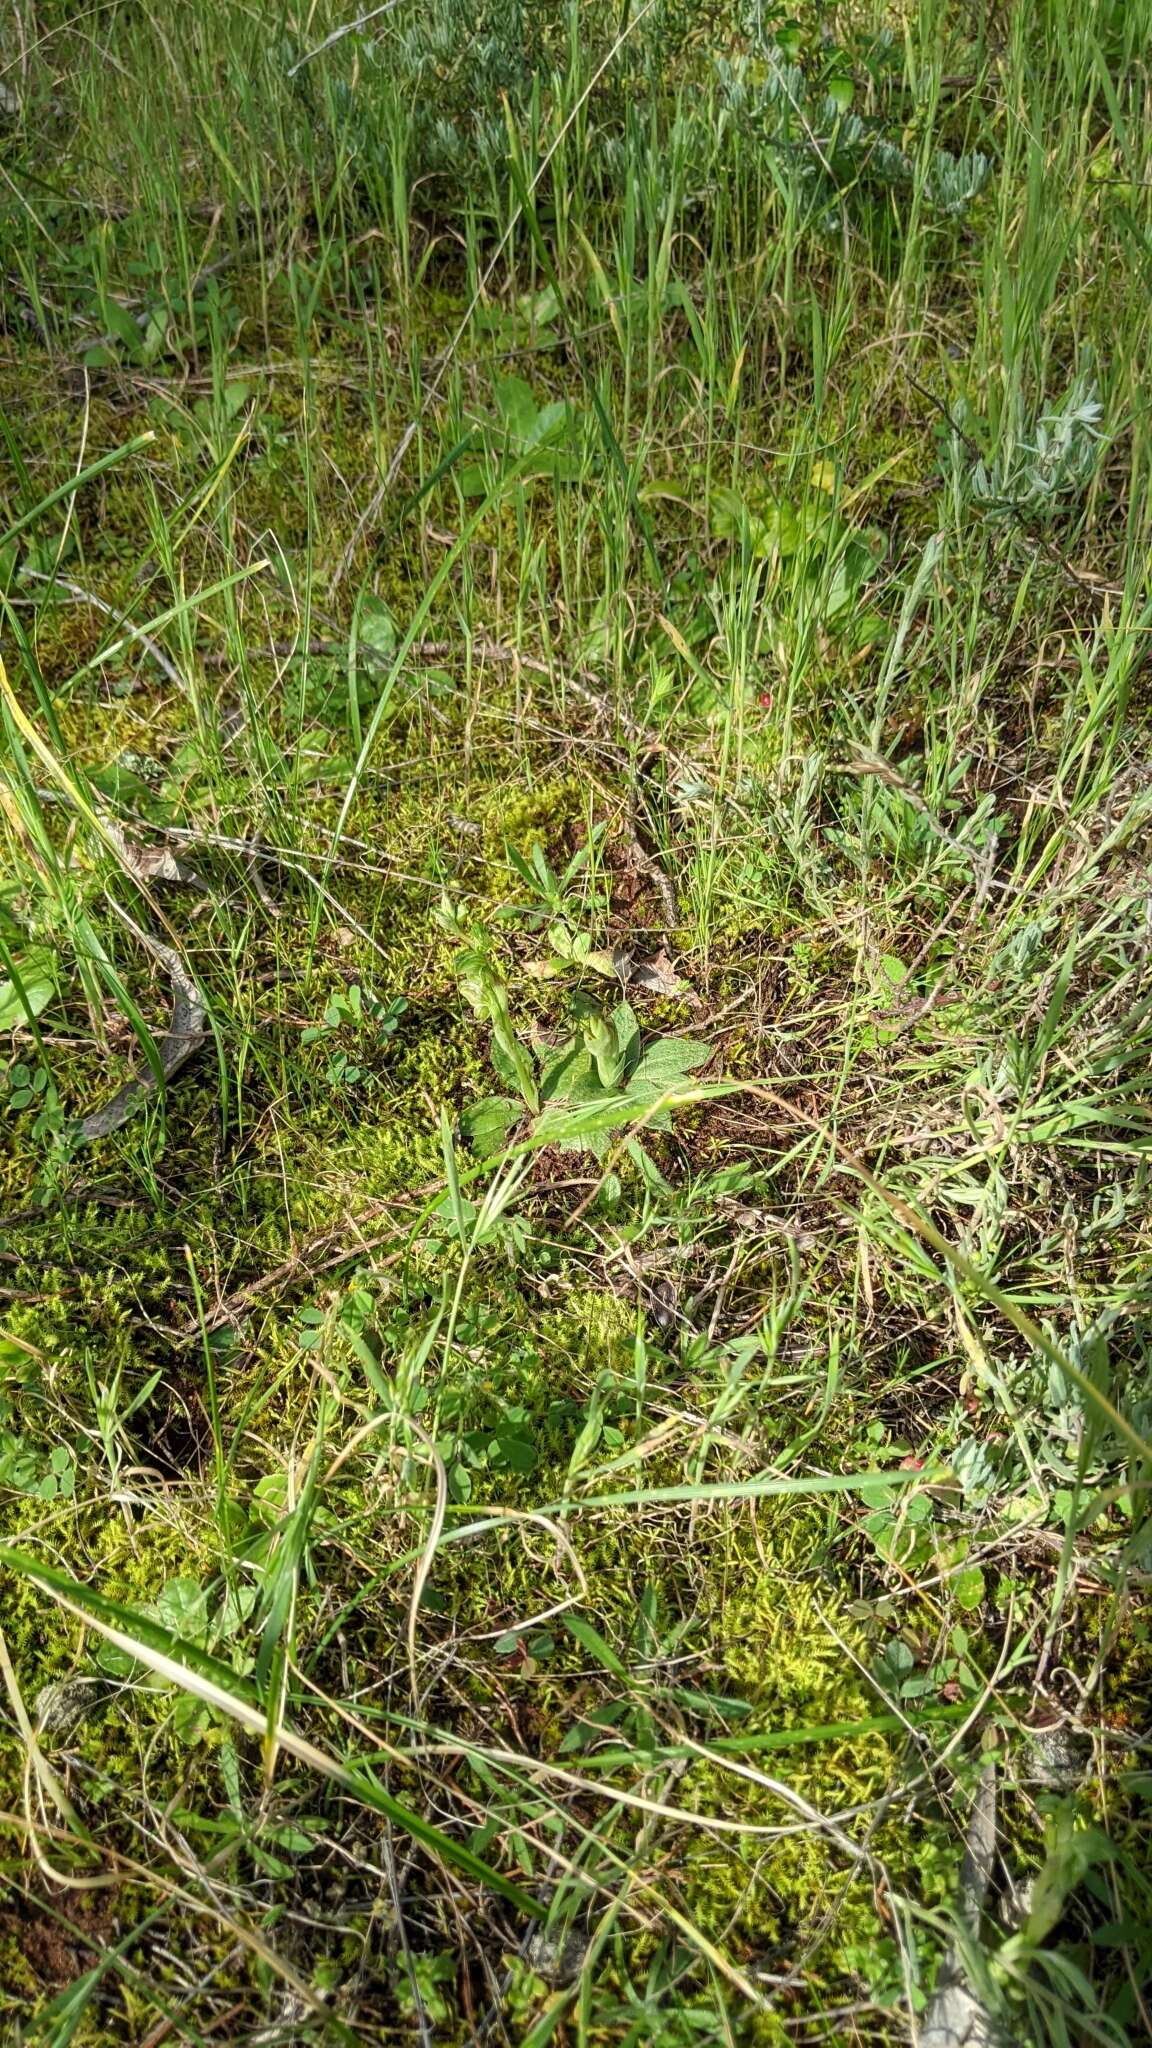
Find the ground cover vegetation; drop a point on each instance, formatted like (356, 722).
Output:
(575, 1023)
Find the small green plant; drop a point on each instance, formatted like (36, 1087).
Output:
(25, 1467)
(1040, 462)
(428, 1990)
(550, 895)
(819, 565)
(32, 1088)
(796, 98)
(595, 1081)
(540, 439)
(356, 1012)
(147, 323)
(588, 1083)
(484, 989)
(604, 1078)
(204, 424)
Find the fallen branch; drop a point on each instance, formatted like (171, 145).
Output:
(184, 1037)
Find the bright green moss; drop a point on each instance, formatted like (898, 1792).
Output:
(594, 1328)
(794, 1652)
(540, 814)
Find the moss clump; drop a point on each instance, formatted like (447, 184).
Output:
(40, 1637)
(789, 1644)
(543, 814)
(593, 1328)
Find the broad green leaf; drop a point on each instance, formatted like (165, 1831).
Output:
(568, 1075)
(516, 406)
(552, 419)
(968, 1588)
(518, 1453)
(120, 323)
(487, 1123)
(37, 988)
(182, 1606)
(668, 1063)
(377, 627)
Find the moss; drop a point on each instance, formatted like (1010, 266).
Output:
(594, 1330)
(130, 1560)
(793, 1651)
(39, 1635)
(18, 1982)
(543, 814)
(395, 1143)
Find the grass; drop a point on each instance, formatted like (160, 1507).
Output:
(573, 596)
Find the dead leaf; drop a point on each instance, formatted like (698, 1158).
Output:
(656, 976)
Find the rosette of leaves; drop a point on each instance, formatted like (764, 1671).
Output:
(818, 561)
(1043, 460)
(539, 439)
(600, 1080)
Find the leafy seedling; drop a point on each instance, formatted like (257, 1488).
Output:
(542, 440)
(596, 1083)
